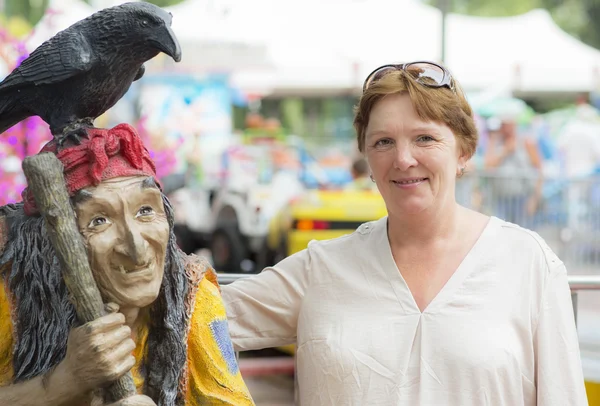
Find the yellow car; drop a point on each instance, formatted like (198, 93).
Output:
(320, 215)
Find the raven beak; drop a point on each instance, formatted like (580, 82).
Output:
(170, 45)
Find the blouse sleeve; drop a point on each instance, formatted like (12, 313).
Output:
(559, 375)
(262, 310)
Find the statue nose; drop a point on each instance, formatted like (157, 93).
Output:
(133, 247)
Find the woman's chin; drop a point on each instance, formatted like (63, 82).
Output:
(410, 208)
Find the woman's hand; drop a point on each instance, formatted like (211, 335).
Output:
(99, 352)
(136, 400)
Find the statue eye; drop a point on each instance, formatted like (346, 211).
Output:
(98, 221)
(145, 211)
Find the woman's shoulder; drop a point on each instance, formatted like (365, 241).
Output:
(524, 242)
(362, 233)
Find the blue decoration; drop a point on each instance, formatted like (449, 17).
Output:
(220, 332)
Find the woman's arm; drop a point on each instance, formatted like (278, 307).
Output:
(263, 310)
(559, 375)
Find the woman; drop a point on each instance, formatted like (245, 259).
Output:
(166, 322)
(434, 304)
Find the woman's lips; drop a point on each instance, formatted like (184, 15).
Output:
(409, 181)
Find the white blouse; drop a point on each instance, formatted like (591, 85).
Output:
(500, 332)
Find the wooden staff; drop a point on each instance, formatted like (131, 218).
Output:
(45, 177)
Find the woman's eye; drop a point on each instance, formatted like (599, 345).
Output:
(384, 142)
(425, 138)
(98, 221)
(145, 211)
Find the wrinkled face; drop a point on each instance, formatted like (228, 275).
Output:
(126, 232)
(414, 163)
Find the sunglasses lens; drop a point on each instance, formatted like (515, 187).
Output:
(426, 73)
(378, 74)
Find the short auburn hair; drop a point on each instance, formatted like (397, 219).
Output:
(441, 105)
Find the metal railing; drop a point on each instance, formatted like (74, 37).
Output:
(582, 282)
(576, 283)
(567, 215)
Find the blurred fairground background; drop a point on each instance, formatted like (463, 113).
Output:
(252, 131)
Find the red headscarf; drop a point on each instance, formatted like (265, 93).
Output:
(105, 154)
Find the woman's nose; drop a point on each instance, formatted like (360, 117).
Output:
(404, 158)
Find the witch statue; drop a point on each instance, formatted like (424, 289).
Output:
(164, 323)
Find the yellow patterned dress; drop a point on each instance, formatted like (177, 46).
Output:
(213, 376)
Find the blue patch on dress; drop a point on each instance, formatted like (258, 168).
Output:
(220, 332)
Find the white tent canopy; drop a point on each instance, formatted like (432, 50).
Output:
(218, 36)
(203, 39)
(331, 45)
(528, 53)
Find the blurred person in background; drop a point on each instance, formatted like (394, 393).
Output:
(361, 179)
(579, 146)
(579, 142)
(515, 168)
(434, 304)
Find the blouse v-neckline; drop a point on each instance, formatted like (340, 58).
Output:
(465, 268)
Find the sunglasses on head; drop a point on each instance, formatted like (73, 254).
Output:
(426, 73)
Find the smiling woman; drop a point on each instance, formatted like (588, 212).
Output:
(433, 304)
(165, 323)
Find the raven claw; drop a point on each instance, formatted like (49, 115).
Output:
(73, 135)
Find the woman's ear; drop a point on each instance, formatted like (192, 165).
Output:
(463, 157)
(462, 161)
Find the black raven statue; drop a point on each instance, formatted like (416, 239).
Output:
(84, 70)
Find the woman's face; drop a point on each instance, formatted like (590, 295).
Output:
(126, 232)
(414, 162)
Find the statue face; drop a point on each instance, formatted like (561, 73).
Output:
(125, 229)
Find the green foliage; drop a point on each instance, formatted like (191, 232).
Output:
(33, 10)
(292, 110)
(576, 17)
(164, 3)
(160, 3)
(489, 8)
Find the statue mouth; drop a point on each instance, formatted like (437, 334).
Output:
(137, 270)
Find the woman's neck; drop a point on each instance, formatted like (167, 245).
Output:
(425, 228)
